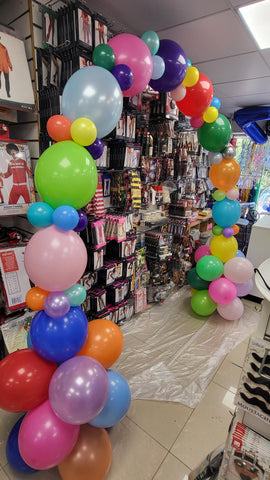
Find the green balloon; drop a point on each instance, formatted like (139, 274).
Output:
(209, 268)
(215, 136)
(151, 39)
(66, 174)
(103, 56)
(195, 281)
(219, 195)
(217, 230)
(202, 303)
(76, 294)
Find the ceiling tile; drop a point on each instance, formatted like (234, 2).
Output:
(245, 87)
(240, 3)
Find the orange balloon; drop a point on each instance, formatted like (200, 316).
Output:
(35, 298)
(104, 342)
(90, 458)
(235, 229)
(58, 127)
(225, 174)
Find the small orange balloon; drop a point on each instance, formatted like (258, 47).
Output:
(225, 174)
(235, 229)
(104, 342)
(35, 298)
(58, 127)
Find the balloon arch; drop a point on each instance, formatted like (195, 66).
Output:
(64, 379)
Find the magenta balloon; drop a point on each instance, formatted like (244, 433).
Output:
(196, 122)
(132, 51)
(56, 304)
(44, 439)
(201, 252)
(244, 288)
(232, 311)
(79, 390)
(222, 291)
(54, 259)
(238, 270)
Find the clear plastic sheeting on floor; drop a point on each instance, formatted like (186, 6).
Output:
(170, 353)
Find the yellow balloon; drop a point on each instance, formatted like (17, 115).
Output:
(83, 131)
(210, 114)
(193, 291)
(192, 77)
(223, 248)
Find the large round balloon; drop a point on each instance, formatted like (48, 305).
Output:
(209, 267)
(104, 342)
(58, 339)
(202, 303)
(55, 260)
(197, 98)
(225, 174)
(117, 404)
(94, 93)
(226, 212)
(201, 252)
(195, 281)
(79, 390)
(175, 66)
(24, 380)
(239, 270)
(66, 174)
(12, 451)
(91, 456)
(44, 439)
(244, 288)
(132, 51)
(223, 248)
(215, 136)
(232, 311)
(222, 291)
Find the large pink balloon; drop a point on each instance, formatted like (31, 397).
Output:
(201, 252)
(232, 311)
(222, 291)
(238, 270)
(132, 51)
(44, 439)
(54, 259)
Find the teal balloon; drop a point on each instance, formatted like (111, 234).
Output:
(215, 136)
(209, 268)
(76, 294)
(202, 303)
(189, 64)
(195, 281)
(103, 56)
(94, 93)
(40, 214)
(226, 212)
(152, 41)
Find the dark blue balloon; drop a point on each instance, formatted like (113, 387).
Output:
(175, 66)
(96, 148)
(247, 119)
(82, 223)
(123, 75)
(12, 451)
(58, 339)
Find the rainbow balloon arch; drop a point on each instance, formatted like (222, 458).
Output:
(63, 380)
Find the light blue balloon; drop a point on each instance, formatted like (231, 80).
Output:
(65, 217)
(29, 341)
(76, 294)
(239, 254)
(40, 214)
(94, 93)
(158, 67)
(215, 103)
(151, 39)
(226, 212)
(117, 404)
(189, 64)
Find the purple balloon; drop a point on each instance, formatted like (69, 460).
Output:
(82, 223)
(123, 75)
(79, 390)
(175, 66)
(96, 148)
(244, 288)
(56, 304)
(227, 232)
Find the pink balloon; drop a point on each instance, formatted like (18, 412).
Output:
(132, 51)
(244, 288)
(196, 122)
(54, 259)
(179, 93)
(44, 439)
(201, 252)
(232, 311)
(238, 270)
(233, 194)
(222, 291)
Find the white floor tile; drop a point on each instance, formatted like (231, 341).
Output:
(7, 420)
(3, 476)
(51, 474)
(228, 375)
(172, 469)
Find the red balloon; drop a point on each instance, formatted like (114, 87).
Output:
(24, 380)
(197, 98)
(58, 127)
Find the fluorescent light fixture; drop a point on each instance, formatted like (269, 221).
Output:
(257, 17)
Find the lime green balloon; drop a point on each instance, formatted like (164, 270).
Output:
(151, 39)
(202, 303)
(217, 230)
(66, 174)
(215, 136)
(219, 195)
(103, 56)
(209, 268)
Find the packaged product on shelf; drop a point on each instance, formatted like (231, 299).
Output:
(106, 275)
(97, 299)
(15, 331)
(15, 281)
(140, 299)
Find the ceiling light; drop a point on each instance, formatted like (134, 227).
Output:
(256, 16)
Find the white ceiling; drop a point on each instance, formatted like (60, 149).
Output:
(213, 36)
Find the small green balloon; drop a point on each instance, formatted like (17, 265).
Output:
(215, 136)
(202, 303)
(103, 56)
(195, 281)
(209, 268)
(217, 230)
(219, 195)
(66, 174)
(76, 294)
(152, 41)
